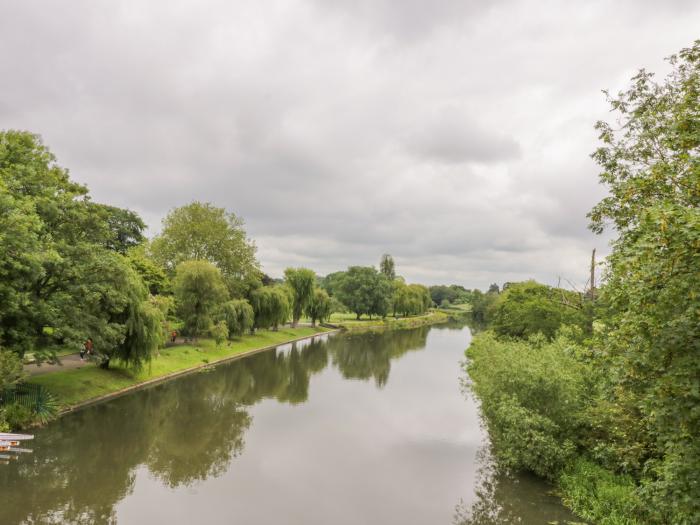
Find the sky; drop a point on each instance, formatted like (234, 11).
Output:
(455, 135)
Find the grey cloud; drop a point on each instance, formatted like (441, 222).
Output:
(454, 135)
(451, 137)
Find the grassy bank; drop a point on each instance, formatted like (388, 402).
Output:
(350, 322)
(73, 387)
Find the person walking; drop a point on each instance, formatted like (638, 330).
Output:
(87, 349)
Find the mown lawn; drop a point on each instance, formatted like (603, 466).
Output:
(75, 386)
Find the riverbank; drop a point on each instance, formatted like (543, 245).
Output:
(88, 385)
(390, 323)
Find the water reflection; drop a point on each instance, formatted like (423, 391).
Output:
(397, 443)
(182, 431)
(502, 498)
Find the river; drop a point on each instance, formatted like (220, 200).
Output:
(344, 429)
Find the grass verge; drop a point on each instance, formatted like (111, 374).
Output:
(350, 323)
(73, 387)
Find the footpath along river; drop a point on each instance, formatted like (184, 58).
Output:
(344, 429)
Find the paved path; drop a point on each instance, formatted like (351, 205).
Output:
(68, 362)
(72, 362)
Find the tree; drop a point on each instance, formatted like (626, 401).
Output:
(651, 165)
(238, 315)
(493, 288)
(319, 307)
(331, 282)
(386, 266)
(201, 231)
(529, 308)
(219, 332)
(124, 228)
(301, 282)
(411, 299)
(271, 306)
(153, 275)
(365, 291)
(61, 279)
(199, 289)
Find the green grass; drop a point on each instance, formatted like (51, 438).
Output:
(350, 322)
(75, 386)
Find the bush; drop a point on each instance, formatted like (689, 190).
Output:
(17, 416)
(533, 398)
(598, 495)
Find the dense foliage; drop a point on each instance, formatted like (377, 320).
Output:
(614, 418)
(63, 277)
(238, 316)
(365, 291)
(320, 306)
(301, 282)
(271, 305)
(529, 308)
(199, 289)
(410, 299)
(201, 231)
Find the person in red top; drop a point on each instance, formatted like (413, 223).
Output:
(87, 349)
(173, 336)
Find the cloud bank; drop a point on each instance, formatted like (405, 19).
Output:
(454, 135)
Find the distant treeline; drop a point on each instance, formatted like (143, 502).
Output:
(72, 269)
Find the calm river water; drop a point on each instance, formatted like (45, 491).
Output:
(345, 429)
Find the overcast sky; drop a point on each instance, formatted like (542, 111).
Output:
(454, 135)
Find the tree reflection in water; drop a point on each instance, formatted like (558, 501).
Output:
(504, 499)
(181, 431)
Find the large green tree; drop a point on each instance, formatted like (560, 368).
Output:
(650, 161)
(201, 231)
(199, 290)
(58, 256)
(527, 308)
(238, 315)
(320, 306)
(301, 282)
(365, 291)
(271, 305)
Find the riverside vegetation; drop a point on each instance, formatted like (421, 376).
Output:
(599, 392)
(73, 269)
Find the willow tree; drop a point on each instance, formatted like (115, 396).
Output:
(199, 290)
(238, 315)
(301, 282)
(319, 307)
(271, 307)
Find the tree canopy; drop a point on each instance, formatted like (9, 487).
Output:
(301, 282)
(62, 276)
(199, 290)
(364, 290)
(271, 305)
(201, 231)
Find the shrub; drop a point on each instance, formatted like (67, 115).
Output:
(598, 495)
(17, 416)
(533, 398)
